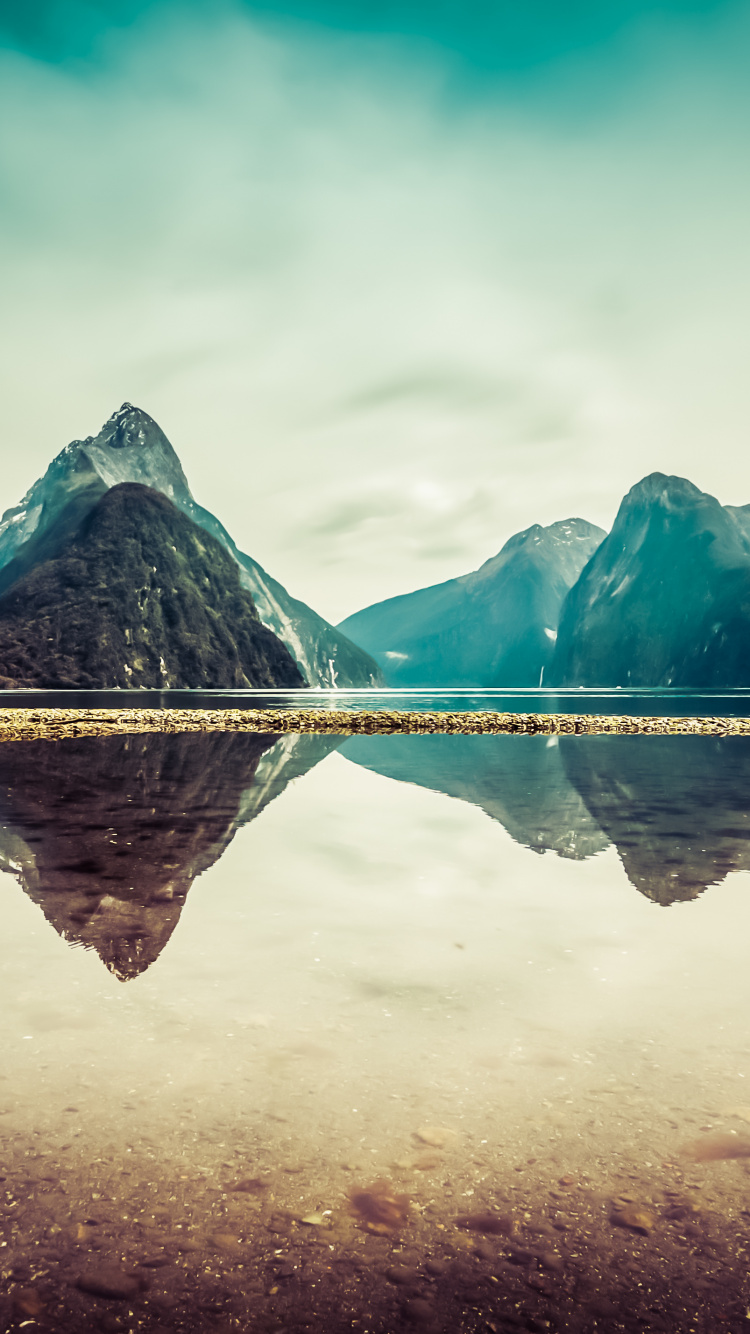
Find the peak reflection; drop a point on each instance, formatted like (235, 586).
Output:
(677, 808)
(107, 834)
(518, 781)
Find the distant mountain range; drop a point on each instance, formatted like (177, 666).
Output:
(494, 627)
(112, 575)
(662, 600)
(131, 448)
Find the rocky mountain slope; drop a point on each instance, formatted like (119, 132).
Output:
(493, 627)
(137, 595)
(665, 601)
(131, 447)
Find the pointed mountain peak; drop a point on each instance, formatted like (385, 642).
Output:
(565, 532)
(660, 603)
(574, 530)
(660, 489)
(661, 503)
(131, 447)
(129, 428)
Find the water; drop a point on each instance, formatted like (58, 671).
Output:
(668, 702)
(382, 984)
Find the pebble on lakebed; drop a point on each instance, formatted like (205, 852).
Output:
(489, 1224)
(379, 1208)
(635, 1217)
(108, 1282)
(436, 1136)
(209, 1259)
(713, 1148)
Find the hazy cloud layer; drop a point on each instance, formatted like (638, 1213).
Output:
(386, 320)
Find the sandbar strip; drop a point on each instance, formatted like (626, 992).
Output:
(58, 724)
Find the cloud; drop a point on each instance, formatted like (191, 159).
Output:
(334, 282)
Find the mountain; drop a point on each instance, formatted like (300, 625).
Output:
(131, 448)
(665, 601)
(139, 595)
(107, 834)
(493, 627)
(518, 781)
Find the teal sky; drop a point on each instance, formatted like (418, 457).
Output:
(397, 279)
(492, 35)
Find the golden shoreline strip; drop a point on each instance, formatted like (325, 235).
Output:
(58, 724)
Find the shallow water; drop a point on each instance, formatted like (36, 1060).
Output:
(380, 984)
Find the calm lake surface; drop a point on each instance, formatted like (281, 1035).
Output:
(381, 1033)
(669, 702)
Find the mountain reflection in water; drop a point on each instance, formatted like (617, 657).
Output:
(523, 786)
(107, 834)
(677, 809)
(394, 1070)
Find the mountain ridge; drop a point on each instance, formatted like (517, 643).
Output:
(665, 600)
(662, 600)
(132, 447)
(494, 626)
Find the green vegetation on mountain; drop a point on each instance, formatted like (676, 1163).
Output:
(139, 596)
(131, 447)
